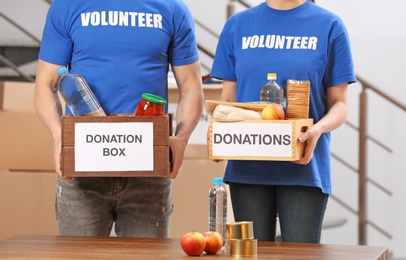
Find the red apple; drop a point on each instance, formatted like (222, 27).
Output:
(214, 242)
(193, 243)
(273, 111)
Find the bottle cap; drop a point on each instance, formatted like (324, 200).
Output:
(62, 71)
(271, 76)
(153, 98)
(217, 180)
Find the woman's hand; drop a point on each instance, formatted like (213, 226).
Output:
(310, 138)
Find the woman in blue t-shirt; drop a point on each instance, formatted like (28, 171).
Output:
(297, 40)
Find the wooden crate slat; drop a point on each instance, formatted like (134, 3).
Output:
(161, 126)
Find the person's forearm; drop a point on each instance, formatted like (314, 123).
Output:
(335, 117)
(50, 114)
(189, 112)
(46, 100)
(190, 105)
(228, 92)
(337, 104)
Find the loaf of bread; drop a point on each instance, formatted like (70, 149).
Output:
(225, 113)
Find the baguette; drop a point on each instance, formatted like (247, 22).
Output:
(225, 113)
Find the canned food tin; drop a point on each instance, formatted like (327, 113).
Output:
(240, 230)
(243, 247)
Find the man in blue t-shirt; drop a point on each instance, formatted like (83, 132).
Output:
(301, 41)
(122, 49)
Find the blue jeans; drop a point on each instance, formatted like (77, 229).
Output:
(139, 207)
(300, 210)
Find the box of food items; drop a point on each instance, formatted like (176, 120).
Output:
(95, 144)
(260, 130)
(115, 146)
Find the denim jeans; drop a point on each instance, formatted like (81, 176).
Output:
(138, 206)
(300, 210)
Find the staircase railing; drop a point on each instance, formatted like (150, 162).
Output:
(9, 63)
(362, 171)
(14, 67)
(8, 19)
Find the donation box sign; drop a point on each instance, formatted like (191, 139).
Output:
(121, 146)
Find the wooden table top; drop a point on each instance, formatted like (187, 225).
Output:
(63, 247)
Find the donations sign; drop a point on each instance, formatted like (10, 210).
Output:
(251, 140)
(126, 146)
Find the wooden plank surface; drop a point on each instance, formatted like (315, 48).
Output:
(60, 247)
(161, 126)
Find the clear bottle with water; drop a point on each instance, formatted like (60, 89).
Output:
(218, 209)
(272, 92)
(78, 95)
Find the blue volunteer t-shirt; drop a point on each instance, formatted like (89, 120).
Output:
(121, 48)
(305, 43)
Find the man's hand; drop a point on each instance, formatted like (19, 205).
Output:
(57, 159)
(177, 147)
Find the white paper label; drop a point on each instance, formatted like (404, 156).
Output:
(114, 147)
(252, 139)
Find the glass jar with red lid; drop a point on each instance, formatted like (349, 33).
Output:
(150, 105)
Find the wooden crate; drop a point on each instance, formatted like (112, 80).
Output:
(142, 153)
(273, 140)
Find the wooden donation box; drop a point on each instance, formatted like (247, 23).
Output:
(273, 140)
(115, 146)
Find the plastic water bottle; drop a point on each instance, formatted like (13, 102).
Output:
(218, 209)
(271, 92)
(78, 95)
